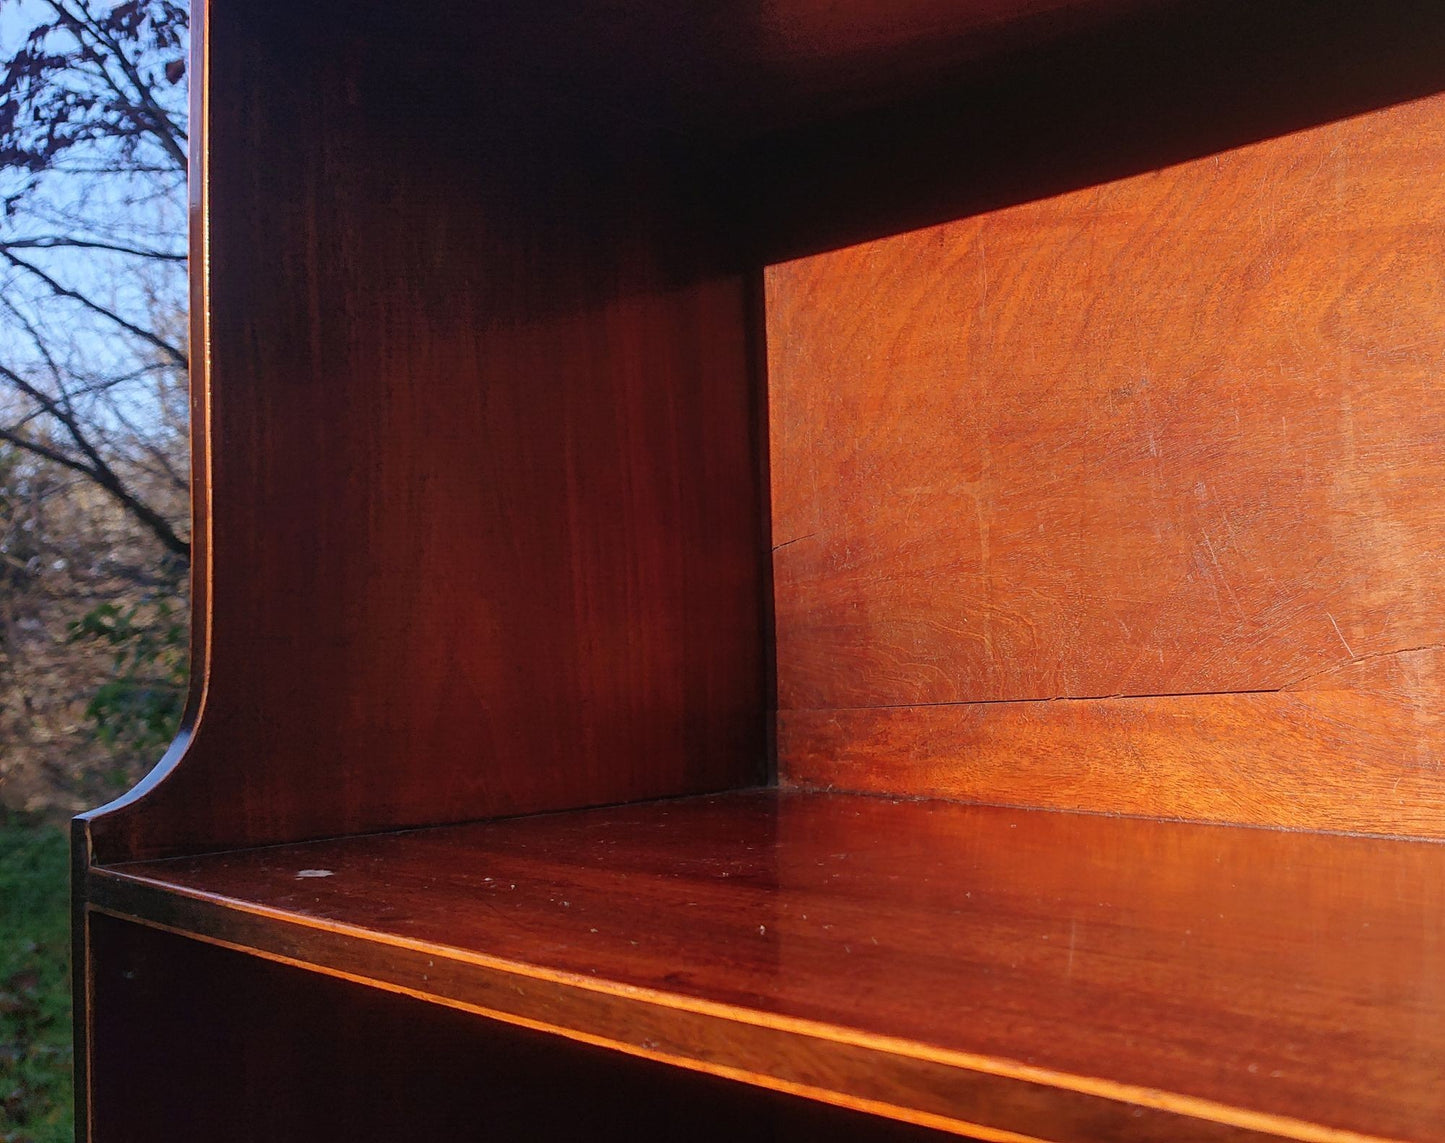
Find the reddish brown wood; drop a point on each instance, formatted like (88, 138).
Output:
(1176, 435)
(1143, 88)
(348, 259)
(481, 531)
(1043, 973)
(292, 1057)
(484, 531)
(1354, 750)
(724, 75)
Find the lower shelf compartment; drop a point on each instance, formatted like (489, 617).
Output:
(1001, 973)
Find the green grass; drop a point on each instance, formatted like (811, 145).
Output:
(35, 1042)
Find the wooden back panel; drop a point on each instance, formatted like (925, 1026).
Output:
(1129, 499)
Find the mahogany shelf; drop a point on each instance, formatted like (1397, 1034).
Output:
(997, 972)
(1028, 402)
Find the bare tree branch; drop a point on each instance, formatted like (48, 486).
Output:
(36, 340)
(79, 88)
(178, 481)
(165, 131)
(55, 456)
(93, 466)
(59, 243)
(175, 354)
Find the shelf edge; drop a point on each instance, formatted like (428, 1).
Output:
(940, 1088)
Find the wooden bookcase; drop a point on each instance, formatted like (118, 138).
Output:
(851, 571)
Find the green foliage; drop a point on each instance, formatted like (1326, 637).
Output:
(35, 1032)
(140, 706)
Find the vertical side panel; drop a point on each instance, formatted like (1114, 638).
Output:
(480, 513)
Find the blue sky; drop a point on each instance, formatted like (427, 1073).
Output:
(120, 208)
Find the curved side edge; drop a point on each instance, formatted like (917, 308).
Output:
(279, 764)
(92, 842)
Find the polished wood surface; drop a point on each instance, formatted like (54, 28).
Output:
(483, 520)
(482, 529)
(1059, 976)
(1354, 750)
(284, 1056)
(477, 356)
(1177, 435)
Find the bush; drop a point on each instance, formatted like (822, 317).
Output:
(35, 1032)
(140, 706)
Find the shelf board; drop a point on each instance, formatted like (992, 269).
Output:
(996, 972)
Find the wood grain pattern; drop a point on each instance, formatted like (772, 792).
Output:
(483, 530)
(1059, 976)
(473, 301)
(1356, 750)
(1174, 435)
(480, 531)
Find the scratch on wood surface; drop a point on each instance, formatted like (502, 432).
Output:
(1338, 632)
(1355, 660)
(1135, 696)
(1224, 579)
